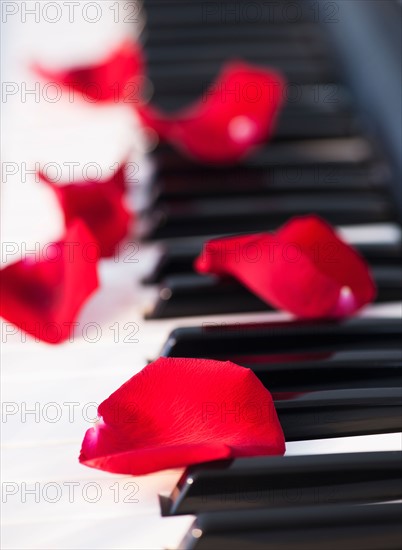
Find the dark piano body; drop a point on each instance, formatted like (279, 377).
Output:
(337, 152)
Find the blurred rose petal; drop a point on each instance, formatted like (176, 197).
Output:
(100, 204)
(116, 78)
(44, 296)
(237, 113)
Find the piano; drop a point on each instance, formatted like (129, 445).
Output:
(337, 386)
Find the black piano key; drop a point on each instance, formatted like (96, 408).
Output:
(284, 482)
(296, 373)
(178, 259)
(193, 294)
(374, 527)
(258, 181)
(238, 215)
(216, 340)
(328, 98)
(305, 125)
(204, 68)
(195, 78)
(340, 413)
(187, 295)
(389, 283)
(317, 153)
(250, 49)
(292, 373)
(173, 261)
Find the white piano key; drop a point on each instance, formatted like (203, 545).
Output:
(58, 407)
(62, 482)
(37, 31)
(371, 233)
(360, 444)
(130, 532)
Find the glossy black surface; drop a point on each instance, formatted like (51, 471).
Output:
(284, 482)
(216, 340)
(341, 413)
(187, 295)
(271, 180)
(374, 527)
(249, 214)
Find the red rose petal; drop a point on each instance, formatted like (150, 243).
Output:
(237, 113)
(43, 297)
(100, 205)
(304, 268)
(177, 412)
(114, 79)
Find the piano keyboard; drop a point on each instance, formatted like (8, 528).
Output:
(337, 387)
(327, 380)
